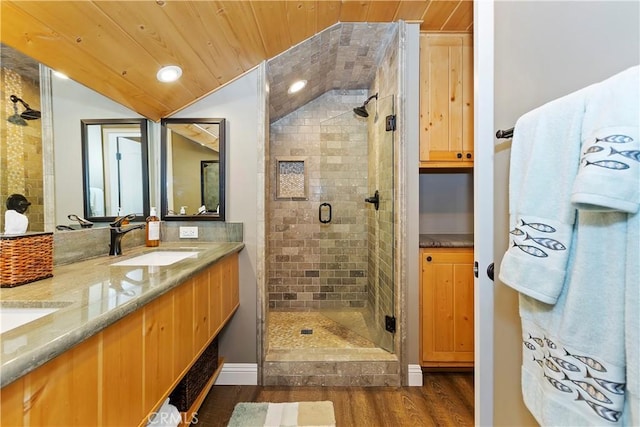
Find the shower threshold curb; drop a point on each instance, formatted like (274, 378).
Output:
(329, 355)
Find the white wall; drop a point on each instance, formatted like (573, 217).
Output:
(71, 103)
(238, 103)
(543, 50)
(446, 203)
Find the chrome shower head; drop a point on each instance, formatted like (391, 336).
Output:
(362, 111)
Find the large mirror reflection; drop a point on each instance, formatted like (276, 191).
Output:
(115, 169)
(193, 169)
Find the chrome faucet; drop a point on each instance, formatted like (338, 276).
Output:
(117, 232)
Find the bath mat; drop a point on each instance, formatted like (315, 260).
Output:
(291, 414)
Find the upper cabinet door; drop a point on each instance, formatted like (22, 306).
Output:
(446, 100)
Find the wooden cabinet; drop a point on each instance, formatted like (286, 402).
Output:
(119, 376)
(446, 100)
(446, 308)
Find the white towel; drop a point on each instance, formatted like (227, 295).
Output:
(167, 416)
(544, 162)
(581, 349)
(96, 197)
(573, 357)
(609, 180)
(632, 320)
(15, 222)
(609, 173)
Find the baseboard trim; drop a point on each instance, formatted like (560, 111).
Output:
(414, 377)
(238, 374)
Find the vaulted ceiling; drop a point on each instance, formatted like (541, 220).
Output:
(116, 47)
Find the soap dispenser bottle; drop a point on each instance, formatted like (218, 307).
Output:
(153, 229)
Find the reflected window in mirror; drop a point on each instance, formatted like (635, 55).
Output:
(115, 169)
(193, 169)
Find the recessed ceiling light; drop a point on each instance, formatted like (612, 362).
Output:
(297, 86)
(60, 75)
(170, 73)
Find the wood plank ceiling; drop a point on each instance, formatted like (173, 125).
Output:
(116, 47)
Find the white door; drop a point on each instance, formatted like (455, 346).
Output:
(483, 210)
(539, 51)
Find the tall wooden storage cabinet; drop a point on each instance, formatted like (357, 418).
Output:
(446, 100)
(446, 288)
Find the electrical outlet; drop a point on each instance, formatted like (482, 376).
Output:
(188, 232)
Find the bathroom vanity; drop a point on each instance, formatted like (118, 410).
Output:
(117, 336)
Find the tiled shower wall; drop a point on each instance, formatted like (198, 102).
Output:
(21, 166)
(313, 265)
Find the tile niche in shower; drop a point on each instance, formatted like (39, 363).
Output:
(291, 179)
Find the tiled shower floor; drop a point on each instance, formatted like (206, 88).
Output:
(330, 340)
(285, 330)
(333, 355)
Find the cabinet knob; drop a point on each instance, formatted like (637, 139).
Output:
(468, 155)
(459, 155)
(429, 259)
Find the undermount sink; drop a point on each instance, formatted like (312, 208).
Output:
(158, 258)
(13, 315)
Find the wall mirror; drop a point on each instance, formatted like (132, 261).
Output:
(115, 168)
(193, 169)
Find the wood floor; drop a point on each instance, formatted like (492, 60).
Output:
(445, 399)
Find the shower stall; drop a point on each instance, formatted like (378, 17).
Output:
(330, 226)
(329, 270)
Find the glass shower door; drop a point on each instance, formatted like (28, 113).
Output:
(356, 238)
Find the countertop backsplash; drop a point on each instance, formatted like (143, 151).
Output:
(79, 245)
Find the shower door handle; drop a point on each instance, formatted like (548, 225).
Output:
(324, 221)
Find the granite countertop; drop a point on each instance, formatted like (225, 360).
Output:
(446, 240)
(91, 295)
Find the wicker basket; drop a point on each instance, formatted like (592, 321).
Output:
(196, 378)
(25, 258)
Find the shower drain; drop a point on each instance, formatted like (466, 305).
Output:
(306, 331)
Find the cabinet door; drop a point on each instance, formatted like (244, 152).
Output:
(201, 311)
(122, 372)
(447, 307)
(159, 342)
(183, 318)
(65, 389)
(446, 100)
(229, 284)
(216, 317)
